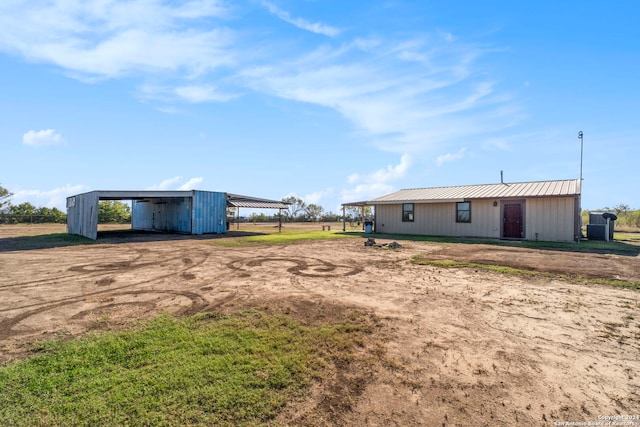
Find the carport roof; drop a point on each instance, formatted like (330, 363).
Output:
(238, 201)
(234, 200)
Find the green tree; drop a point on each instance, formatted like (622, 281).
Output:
(356, 212)
(114, 212)
(24, 212)
(54, 215)
(313, 211)
(5, 197)
(296, 208)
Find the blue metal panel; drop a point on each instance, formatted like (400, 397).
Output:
(165, 214)
(209, 213)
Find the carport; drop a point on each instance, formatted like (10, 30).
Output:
(187, 212)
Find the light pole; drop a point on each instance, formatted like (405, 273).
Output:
(580, 136)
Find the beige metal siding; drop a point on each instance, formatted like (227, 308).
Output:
(439, 219)
(553, 219)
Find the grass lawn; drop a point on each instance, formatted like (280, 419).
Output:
(204, 370)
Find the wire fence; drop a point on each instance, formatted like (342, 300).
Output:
(32, 219)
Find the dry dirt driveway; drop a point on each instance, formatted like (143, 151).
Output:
(461, 347)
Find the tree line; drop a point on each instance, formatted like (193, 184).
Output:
(627, 217)
(25, 213)
(299, 211)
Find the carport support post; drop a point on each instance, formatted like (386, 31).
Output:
(280, 220)
(238, 219)
(344, 219)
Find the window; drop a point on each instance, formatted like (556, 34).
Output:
(463, 212)
(407, 212)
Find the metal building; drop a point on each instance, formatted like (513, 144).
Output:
(188, 212)
(542, 210)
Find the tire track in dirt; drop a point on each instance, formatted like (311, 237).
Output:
(139, 254)
(197, 302)
(120, 268)
(302, 266)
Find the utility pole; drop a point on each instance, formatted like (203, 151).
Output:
(580, 136)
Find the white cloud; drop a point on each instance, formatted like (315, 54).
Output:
(174, 184)
(113, 38)
(55, 198)
(377, 183)
(450, 157)
(192, 184)
(317, 196)
(411, 96)
(193, 94)
(407, 95)
(362, 192)
(42, 138)
(167, 184)
(301, 23)
(390, 173)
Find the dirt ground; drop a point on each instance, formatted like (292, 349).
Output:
(461, 347)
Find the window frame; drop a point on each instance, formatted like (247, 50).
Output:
(459, 211)
(408, 215)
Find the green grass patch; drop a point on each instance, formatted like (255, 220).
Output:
(286, 237)
(627, 237)
(446, 263)
(204, 370)
(614, 247)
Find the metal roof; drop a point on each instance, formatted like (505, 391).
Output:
(560, 188)
(238, 201)
(137, 195)
(234, 200)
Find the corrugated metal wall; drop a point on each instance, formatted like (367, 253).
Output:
(209, 213)
(554, 219)
(82, 215)
(166, 214)
(439, 219)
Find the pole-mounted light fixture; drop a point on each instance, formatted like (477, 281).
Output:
(580, 136)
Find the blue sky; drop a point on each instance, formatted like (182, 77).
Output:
(330, 101)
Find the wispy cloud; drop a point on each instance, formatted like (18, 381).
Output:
(174, 184)
(193, 94)
(114, 38)
(167, 184)
(41, 138)
(404, 94)
(450, 157)
(317, 196)
(390, 173)
(192, 184)
(410, 96)
(303, 24)
(54, 198)
(375, 183)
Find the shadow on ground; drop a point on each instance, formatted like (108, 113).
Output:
(58, 240)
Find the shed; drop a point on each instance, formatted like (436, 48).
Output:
(188, 212)
(539, 210)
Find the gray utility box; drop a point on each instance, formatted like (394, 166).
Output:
(597, 227)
